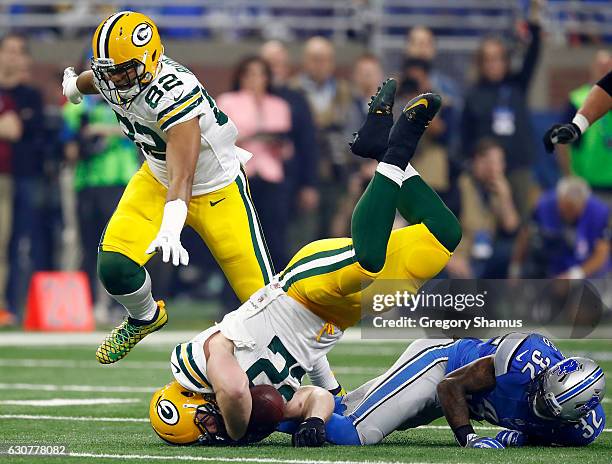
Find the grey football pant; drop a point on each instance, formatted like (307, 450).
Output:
(404, 396)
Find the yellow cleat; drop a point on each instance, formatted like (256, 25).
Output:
(125, 337)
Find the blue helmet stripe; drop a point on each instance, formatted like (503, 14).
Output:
(586, 383)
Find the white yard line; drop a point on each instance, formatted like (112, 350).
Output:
(75, 388)
(55, 402)
(173, 337)
(135, 419)
(227, 459)
(72, 364)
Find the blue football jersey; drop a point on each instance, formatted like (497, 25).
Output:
(518, 359)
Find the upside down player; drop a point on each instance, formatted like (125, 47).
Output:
(519, 381)
(286, 329)
(192, 176)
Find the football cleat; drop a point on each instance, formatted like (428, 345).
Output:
(371, 139)
(122, 339)
(415, 118)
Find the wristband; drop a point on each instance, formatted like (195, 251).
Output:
(175, 215)
(463, 434)
(582, 122)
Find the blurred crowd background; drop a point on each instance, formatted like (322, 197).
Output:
(296, 80)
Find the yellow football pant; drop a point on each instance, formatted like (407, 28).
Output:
(326, 278)
(225, 219)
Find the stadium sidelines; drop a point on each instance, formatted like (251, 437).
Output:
(143, 419)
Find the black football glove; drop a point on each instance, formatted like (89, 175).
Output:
(311, 432)
(561, 133)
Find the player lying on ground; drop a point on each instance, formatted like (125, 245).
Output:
(286, 329)
(191, 176)
(520, 381)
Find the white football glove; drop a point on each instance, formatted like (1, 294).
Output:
(170, 246)
(69, 86)
(168, 239)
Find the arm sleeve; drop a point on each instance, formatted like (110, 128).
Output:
(531, 57)
(322, 375)
(180, 104)
(606, 83)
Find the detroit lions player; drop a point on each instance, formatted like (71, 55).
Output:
(519, 381)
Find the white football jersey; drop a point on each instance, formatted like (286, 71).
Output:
(277, 341)
(175, 96)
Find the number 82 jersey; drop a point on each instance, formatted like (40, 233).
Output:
(175, 96)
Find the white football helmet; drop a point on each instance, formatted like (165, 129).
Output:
(568, 390)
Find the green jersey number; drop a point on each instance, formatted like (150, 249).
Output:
(154, 94)
(220, 116)
(156, 150)
(291, 369)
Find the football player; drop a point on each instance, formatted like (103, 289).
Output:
(191, 176)
(520, 381)
(286, 329)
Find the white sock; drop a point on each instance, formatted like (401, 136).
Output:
(140, 305)
(392, 172)
(410, 172)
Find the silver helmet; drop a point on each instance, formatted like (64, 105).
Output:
(569, 389)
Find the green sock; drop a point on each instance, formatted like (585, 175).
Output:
(418, 203)
(119, 274)
(372, 222)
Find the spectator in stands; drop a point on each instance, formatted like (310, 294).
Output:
(104, 161)
(569, 236)
(497, 106)
(302, 169)
(329, 98)
(489, 218)
(421, 49)
(10, 131)
(27, 167)
(264, 122)
(589, 158)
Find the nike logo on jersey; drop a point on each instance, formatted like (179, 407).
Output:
(179, 97)
(175, 367)
(518, 358)
(214, 203)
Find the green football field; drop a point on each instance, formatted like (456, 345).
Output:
(39, 386)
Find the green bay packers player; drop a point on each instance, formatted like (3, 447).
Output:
(286, 329)
(191, 176)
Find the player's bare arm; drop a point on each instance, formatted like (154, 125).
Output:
(314, 406)
(230, 384)
(452, 390)
(310, 401)
(182, 151)
(596, 105)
